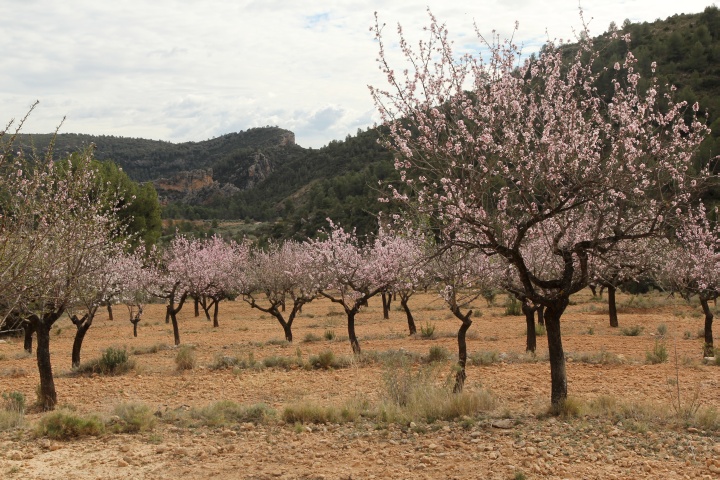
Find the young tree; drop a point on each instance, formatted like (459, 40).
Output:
(69, 228)
(461, 276)
(280, 274)
(496, 151)
(350, 273)
(692, 267)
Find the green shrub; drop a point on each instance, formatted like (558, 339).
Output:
(438, 354)
(329, 335)
(687, 335)
(310, 413)
(326, 360)
(63, 425)
(484, 357)
(113, 361)
(185, 358)
(14, 402)
(223, 362)
(227, 412)
(310, 338)
(539, 329)
(512, 306)
(662, 330)
(633, 331)
(659, 353)
(281, 362)
(427, 330)
(132, 418)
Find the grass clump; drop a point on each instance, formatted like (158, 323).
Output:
(567, 407)
(329, 335)
(326, 360)
(227, 412)
(64, 425)
(113, 361)
(427, 330)
(438, 354)
(311, 338)
(132, 418)
(13, 410)
(633, 331)
(603, 357)
(157, 347)
(185, 358)
(310, 413)
(662, 330)
(282, 362)
(223, 362)
(484, 357)
(659, 353)
(513, 308)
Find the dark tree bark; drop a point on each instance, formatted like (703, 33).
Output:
(558, 377)
(276, 311)
(593, 289)
(167, 314)
(173, 311)
(110, 312)
(135, 319)
(708, 348)
(541, 315)
(196, 303)
(531, 340)
(47, 395)
(82, 326)
(461, 376)
(612, 306)
(29, 329)
(410, 320)
(216, 303)
(386, 300)
(351, 330)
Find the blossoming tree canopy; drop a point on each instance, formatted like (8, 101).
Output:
(497, 148)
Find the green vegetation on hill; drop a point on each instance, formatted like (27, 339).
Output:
(293, 190)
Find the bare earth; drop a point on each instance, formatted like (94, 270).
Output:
(515, 440)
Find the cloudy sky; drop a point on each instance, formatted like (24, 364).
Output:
(180, 70)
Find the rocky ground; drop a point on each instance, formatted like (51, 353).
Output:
(625, 426)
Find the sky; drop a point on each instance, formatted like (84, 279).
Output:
(185, 70)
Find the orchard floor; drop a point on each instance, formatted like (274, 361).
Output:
(516, 439)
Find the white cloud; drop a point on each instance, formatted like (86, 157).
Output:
(179, 70)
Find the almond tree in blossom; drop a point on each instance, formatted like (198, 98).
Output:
(214, 272)
(495, 147)
(135, 282)
(67, 225)
(692, 267)
(462, 276)
(279, 275)
(351, 273)
(171, 271)
(631, 261)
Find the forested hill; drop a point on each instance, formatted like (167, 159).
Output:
(262, 175)
(147, 160)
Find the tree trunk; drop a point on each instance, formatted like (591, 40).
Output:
(82, 325)
(531, 340)
(708, 348)
(196, 302)
(215, 313)
(541, 315)
(351, 331)
(167, 314)
(612, 307)
(287, 328)
(110, 312)
(558, 376)
(386, 299)
(593, 290)
(460, 376)
(135, 322)
(48, 395)
(410, 319)
(29, 329)
(176, 330)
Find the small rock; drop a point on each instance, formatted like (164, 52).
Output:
(504, 423)
(531, 450)
(229, 433)
(14, 455)
(494, 455)
(122, 463)
(412, 425)
(160, 449)
(54, 447)
(125, 448)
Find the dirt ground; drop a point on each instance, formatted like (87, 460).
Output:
(515, 440)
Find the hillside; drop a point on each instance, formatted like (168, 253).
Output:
(261, 175)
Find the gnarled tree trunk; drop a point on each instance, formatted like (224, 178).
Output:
(558, 376)
(531, 340)
(410, 320)
(612, 306)
(708, 348)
